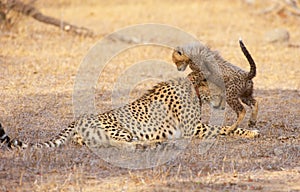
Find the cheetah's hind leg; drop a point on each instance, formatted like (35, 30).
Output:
(253, 118)
(253, 104)
(236, 105)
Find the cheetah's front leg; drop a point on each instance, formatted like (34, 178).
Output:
(240, 132)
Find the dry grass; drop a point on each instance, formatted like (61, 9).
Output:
(38, 65)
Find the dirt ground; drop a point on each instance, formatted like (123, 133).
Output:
(39, 64)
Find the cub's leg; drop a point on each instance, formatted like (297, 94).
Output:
(236, 105)
(253, 104)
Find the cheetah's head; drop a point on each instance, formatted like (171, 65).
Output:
(191, 54)
(180, 59)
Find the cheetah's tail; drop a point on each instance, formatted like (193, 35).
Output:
(59, 140)
(252, 72)
(5, 139)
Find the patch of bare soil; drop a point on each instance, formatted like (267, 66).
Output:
(38, 67)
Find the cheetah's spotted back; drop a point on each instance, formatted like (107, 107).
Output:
(169, 111)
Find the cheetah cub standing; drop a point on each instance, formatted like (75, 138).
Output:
(236, 82)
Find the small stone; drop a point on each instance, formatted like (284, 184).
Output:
(277, 36)
(278, 151)
(244, 154)
(251, 2)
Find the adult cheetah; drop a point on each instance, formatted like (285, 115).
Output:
(168, 111)
(236, 82)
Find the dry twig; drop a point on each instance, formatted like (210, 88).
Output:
(30, 10)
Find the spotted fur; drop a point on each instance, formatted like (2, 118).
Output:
(236, 83)
(168, 111)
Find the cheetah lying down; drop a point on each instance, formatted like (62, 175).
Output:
(236, 83)
(168, 111)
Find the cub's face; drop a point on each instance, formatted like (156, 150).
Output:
(180, 59)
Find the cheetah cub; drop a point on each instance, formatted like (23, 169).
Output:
(236, 83)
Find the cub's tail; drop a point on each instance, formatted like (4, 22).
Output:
(252, 72)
